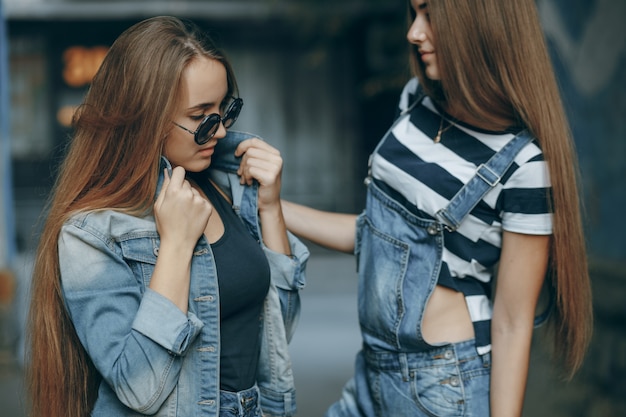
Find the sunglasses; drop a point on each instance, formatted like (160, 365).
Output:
(210, 124)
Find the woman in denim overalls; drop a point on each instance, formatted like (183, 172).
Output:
(475, 177)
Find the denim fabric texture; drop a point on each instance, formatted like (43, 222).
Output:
(398, 258)
(240, 404)
(452, 380)
(154, 359)
(398, 373)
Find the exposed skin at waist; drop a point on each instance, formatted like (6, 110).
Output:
(446, 318)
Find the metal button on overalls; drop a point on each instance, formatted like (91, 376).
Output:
(433, 229)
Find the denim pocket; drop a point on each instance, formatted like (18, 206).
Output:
(454, 389)
(141, 254)
(382, 264)
(430, 392)
(439, 390)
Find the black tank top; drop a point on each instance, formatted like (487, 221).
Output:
(243, 276)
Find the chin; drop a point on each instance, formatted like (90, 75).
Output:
(197, 166)
(432, 73)
(433, 77)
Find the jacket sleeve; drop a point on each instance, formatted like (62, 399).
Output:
(288, 275)
(135, 337)
(281, 314)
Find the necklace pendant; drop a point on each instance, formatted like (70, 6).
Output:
(437, 138)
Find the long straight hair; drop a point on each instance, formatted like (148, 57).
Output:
(112, 162)
(494, 65)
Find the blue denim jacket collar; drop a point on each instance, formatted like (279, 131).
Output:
(224, 157)
(224, 165)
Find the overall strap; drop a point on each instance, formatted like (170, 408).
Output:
(487, 176)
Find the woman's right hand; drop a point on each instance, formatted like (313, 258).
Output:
(181, 215)
(180, 212)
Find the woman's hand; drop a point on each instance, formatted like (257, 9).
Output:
(262, 162)
(181, 213)
(181, 216)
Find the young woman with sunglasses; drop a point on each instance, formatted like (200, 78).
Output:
(442, 219)
(141, 304)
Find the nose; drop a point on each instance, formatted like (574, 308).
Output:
(221, 131)
(417, 31)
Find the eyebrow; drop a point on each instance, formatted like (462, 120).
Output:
(201, 106)
(207, 105)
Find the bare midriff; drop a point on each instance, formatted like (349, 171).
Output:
(446, 318)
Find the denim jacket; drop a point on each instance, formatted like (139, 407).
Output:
(154, 359)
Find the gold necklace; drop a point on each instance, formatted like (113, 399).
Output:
(441, 130)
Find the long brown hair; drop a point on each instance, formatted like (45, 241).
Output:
(112, 162)
(494, 65)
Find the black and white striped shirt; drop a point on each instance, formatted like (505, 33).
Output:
(426, 175)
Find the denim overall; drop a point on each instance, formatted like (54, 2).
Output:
(397, 373)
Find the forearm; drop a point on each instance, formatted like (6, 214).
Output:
(274, 230)
(181, 214)
(332, 230)
(521, 272)
(172, 274)
(509, 372)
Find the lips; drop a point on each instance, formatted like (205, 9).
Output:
(207, 151)
(426, 55)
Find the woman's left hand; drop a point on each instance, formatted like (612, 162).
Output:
(262, 162)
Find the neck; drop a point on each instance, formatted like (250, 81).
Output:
(495, 123)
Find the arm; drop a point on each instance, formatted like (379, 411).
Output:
(332, 230)
(181, 216)
(262, 162)
(521, 273)
(136, 337)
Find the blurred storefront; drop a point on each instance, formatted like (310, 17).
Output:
(305, 70)
(310, 73)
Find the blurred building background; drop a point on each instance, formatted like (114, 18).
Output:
(320, 80)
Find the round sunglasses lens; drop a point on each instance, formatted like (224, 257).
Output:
(207, 129)
(228, 122)
(232, 113)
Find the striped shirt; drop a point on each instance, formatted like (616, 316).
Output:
(425, 175)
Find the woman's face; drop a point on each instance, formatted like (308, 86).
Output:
(420, 34)
(204, 87)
